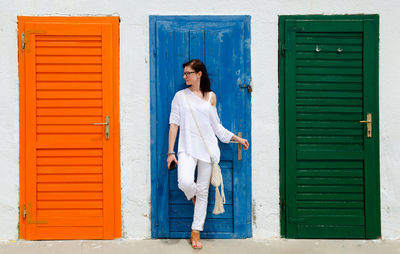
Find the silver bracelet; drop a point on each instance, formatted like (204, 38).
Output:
(170, 153)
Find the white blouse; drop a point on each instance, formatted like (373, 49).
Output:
(190, 140)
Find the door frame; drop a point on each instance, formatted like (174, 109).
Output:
(156, 191)
(371, 54)
(22, 114)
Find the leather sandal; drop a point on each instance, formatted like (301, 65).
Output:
(195, 240)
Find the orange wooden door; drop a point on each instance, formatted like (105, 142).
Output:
(70, 178)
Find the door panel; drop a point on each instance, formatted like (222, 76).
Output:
(326, 146)
(221, 46)
(69, 76)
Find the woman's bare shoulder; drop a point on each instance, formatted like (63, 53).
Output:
(213, 98)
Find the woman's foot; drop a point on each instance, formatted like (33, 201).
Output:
(195, 239)
(194, 200)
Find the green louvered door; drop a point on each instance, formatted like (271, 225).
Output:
(331, 165)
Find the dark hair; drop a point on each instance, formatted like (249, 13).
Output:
(197, 66)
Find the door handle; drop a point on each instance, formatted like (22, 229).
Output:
(107, 125)
(369, 125)
(239, 146)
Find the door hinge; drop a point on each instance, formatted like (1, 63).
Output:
(23, 41)
(282, 49)
(27, 37)
(24, 212)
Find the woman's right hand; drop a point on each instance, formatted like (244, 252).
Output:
(171, 157)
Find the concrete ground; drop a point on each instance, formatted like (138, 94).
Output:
(247, 246)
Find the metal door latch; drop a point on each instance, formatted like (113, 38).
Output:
(248, 86)
(369, 125)
(107, 125)
(240, 156)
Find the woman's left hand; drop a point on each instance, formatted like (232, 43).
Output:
(243, 142)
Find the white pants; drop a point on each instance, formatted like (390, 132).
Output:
(186, 168)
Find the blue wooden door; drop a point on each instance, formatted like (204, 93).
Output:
(223, 44)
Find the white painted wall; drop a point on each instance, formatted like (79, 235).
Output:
(135, 113)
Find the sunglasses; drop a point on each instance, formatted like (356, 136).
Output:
(188, 73)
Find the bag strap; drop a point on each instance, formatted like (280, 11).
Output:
(198, 127)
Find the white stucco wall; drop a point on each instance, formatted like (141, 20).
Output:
(134, 100)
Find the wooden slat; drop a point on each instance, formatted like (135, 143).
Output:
(68, 59)
(69, 161)
(330, 147)
(69, 120)
(41, 196)
(329, 87)
(66, 233)
(328, 78)
(329, 196)
(69, 204)
(329, 48)
(68, 68)
(330, 172)
(330, 155)
(329, 116)
(69, 112)
(330, 188)
(97, 178)
(328, 94)
(331, 164)
(68, 37)
(69, 169)
(70, 129)
(69, 187)
(328, 109)
(78, 103)
(69, 94)
(329, 35)
(59, 51)
(69, 152)
(73, 222)
(330, 204)
(329, 40)
(68, 43)
(328, 55)
(303, 212)
(326, 70)
(329, 63)
(329, 181)
(54, 141)
(68, 85)
(328, 132)
(68, 213)
(328, 102)
(330, 139)
(328, 124)
(68, 77)
(69, 29)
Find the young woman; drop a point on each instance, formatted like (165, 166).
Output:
(191, 148)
